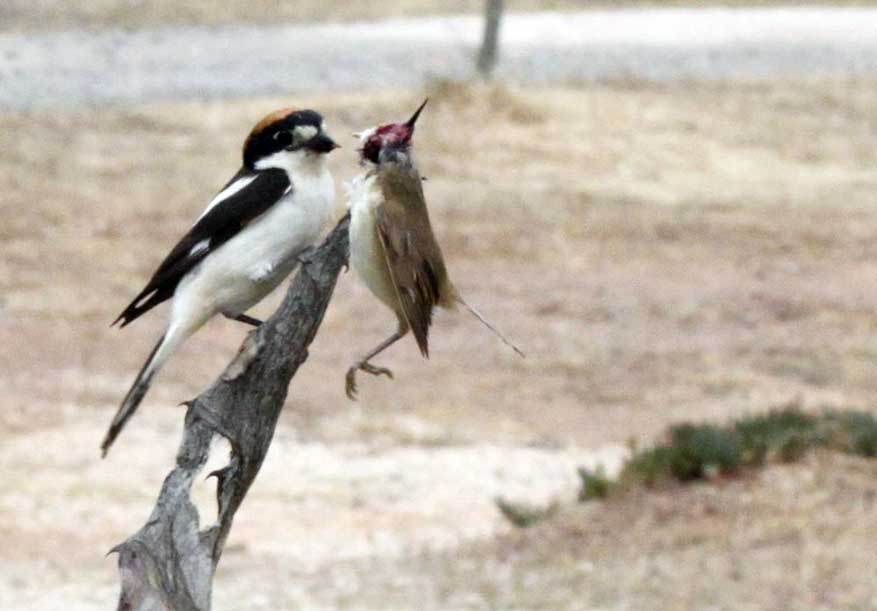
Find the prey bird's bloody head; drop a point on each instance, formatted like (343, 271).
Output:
(397, 135)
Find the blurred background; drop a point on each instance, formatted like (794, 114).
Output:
(669, 206)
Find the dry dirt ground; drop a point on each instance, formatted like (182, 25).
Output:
(662, 253)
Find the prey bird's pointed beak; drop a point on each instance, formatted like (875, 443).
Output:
(410, 123)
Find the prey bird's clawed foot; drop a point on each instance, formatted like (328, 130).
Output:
(350, 386)
(376, 371)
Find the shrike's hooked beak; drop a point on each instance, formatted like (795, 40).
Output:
(322, 143)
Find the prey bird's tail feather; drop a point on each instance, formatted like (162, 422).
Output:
(139, 389)
(487, 324)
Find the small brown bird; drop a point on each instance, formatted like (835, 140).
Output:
(392, 246)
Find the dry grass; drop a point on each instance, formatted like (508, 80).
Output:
(35, 15)
(791, 537)
(653, 252)
(661, 253)
(800, 546)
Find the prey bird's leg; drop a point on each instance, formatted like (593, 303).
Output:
(367, 367)
(245, 319)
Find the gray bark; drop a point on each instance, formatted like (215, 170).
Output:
(168, 565)
(489, 52)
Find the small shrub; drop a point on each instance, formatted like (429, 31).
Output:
(649, 467)
(524, 515)
(785, 433)
(864, 437)
(795, 446)
(699, 450)
(595, 484)
(853, 432)
(695, 452)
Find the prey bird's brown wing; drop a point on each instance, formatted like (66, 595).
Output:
(415, 262)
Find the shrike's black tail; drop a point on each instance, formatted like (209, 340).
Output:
(135, 395)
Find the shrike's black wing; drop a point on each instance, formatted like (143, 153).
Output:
(246, 196)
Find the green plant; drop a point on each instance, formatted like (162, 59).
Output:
(595, 484)
(524, 515)
(702, 450)
(698, 451)
(649, 467)
(853, 432)
(785, 433)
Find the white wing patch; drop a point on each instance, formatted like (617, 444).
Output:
(225, 194)
(200, 246)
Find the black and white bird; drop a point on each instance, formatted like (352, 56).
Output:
(249, 238)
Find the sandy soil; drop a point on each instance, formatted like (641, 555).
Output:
(661, 253)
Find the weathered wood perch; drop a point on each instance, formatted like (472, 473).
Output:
(168, 565)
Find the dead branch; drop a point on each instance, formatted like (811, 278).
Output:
(168, 565)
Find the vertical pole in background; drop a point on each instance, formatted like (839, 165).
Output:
(490, 43)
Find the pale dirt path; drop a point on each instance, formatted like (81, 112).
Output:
(85, 68)
(315, 506)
